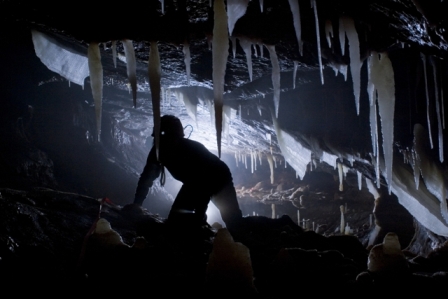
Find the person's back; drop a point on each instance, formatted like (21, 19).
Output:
(203, 174)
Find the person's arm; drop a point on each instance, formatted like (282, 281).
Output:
(150, 173)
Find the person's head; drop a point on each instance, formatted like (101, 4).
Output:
(171, 126)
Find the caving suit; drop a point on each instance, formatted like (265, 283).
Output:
(204, 176)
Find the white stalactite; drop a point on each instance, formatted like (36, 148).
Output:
(96, 82)
(439, 116)
(246, 45)
(154, 73)
(235, 10)
(275, 77)
(220, 53)
(271, 167)
(382, 78)
(359, 180)
(296, 66)
(427, 99)
(328, 32)
(355, 58)
(261, 5)
(341, 177)
(233, 40)
(319, 52)
(114, 52)
(131, 67)
(295, 9)
(187, 60)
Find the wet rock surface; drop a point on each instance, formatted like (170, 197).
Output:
(47, 238)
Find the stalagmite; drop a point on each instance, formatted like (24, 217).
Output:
(382, 77)
(273, 211)
(220, 53)
(319, 54)
(275, 77)
(295, 9)
(296, 66)
(328, 31)
(246, 45)
(154, 72)
(131, 67)
(229, 266)
(96, 82)
(427, 99)
(271, 167)
(114, 52)
(439, 117)
(355, 58)
(187, 60)
(235, 10)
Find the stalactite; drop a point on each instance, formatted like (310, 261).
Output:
(235, 10)
(295, 9)
(96, 82)
(131, 67)
(319, 54)
(246, 45)
(114, 52)
(154, 73)
(275, 77)
(187, 60)
(427, 99)
(220, 53)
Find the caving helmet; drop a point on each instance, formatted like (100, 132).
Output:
(171, 126)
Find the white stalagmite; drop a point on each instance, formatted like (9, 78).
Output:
(319, 54)
(275, 77)
(271, 167)
(187, 60)
(114, 52)
(131, 67)
(355, 57)
(439, 116)
(154, 72)
(427, 99)
(382, 77)
(96, 82)
(220, 53)
(246, 45)
(342, 226)
(328, 31)
(295, 9)
(296, 66)
(235, 10)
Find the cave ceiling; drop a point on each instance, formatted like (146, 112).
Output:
(317, 118)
